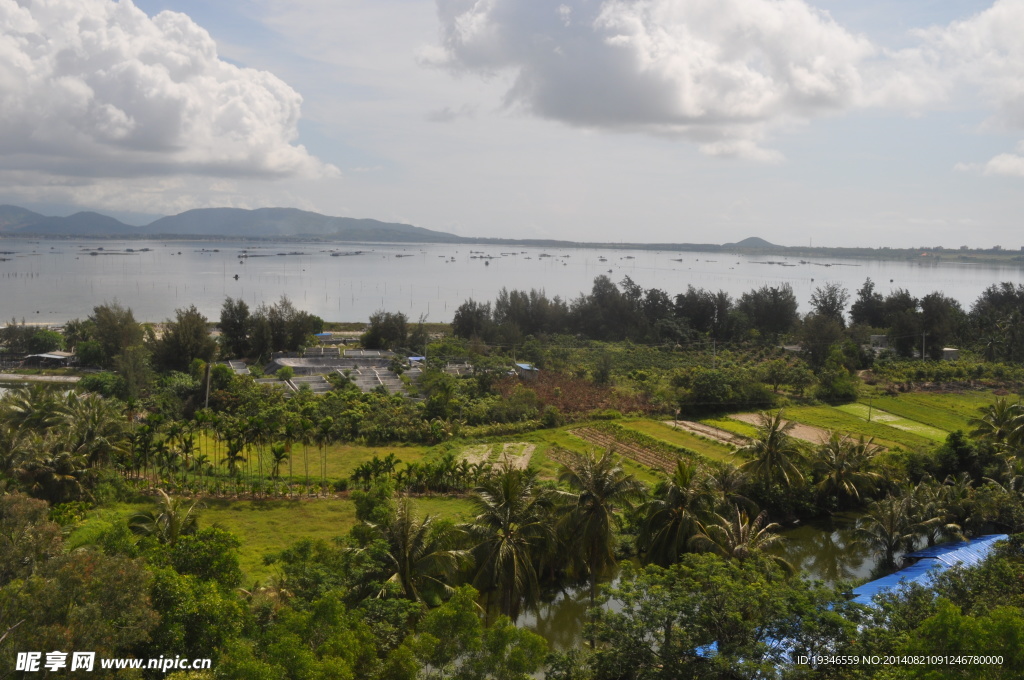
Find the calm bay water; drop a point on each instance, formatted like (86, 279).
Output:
(51, 281)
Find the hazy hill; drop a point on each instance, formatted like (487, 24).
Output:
(12, 217)
(289, 222)
(79, 224)
(753, 242)
(273, 223)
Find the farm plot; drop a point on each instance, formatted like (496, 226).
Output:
(945, 411)
(658, 460)
(801, 431)
(833, 419)
(740, 432)
(871, 414)
(709, 447)
(516, 454)
(478, 453)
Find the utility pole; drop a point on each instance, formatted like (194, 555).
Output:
(923, 336)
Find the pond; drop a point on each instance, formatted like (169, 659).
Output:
(824, 549)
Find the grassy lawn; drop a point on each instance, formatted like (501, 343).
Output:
(834, 419)
(875, 415)
(666, 433)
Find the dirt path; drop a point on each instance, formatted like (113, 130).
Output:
(15, 377)
(709, 432)
(807, 433)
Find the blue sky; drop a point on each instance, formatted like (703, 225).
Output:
(842, 122)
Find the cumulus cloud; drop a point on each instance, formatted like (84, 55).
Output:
(722, 73)
(97, 88)
(978, 59)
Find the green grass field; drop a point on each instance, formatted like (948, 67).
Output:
(834, 419)
(666, 433)
(871, 413)
(269, 526)
(948, 412)
(730, 425)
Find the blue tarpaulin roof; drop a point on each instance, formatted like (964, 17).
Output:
(933, 560)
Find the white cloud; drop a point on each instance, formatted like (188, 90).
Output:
(721, 73)
(96, 88)
(978, 60)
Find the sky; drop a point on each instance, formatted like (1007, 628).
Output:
(823, 122)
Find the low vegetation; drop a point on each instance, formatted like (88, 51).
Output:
(370, 535)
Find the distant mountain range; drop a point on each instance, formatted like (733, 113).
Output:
(277, 223)
(221, 222)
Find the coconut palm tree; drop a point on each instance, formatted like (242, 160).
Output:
(939, 508)
(842, 465)
(38, 407)
(512, 527)
(674, 515)
(168, 522)
(420, 554)
(737, 537)
(599, 488)
(1001, 423)
(773, 452)
(891, 525)
(48, 472)
(94, 427)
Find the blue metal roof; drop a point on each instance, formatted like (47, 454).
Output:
(526, 367)
(933, 561)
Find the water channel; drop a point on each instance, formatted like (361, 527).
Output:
(824, 549)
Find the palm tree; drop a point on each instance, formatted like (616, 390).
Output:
(842, 465)
(773, 452)
(736, 537)
(890, 526)
(1001, 423)
(38, 407)
(419, 552)
(233, 456)
(50, 473)
(601, 487)
(170, 521)
(938, 508)
(512, 527)
(673, 517)
(278, 454)
(94, 427)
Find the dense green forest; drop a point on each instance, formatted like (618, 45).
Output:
(144, 513)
